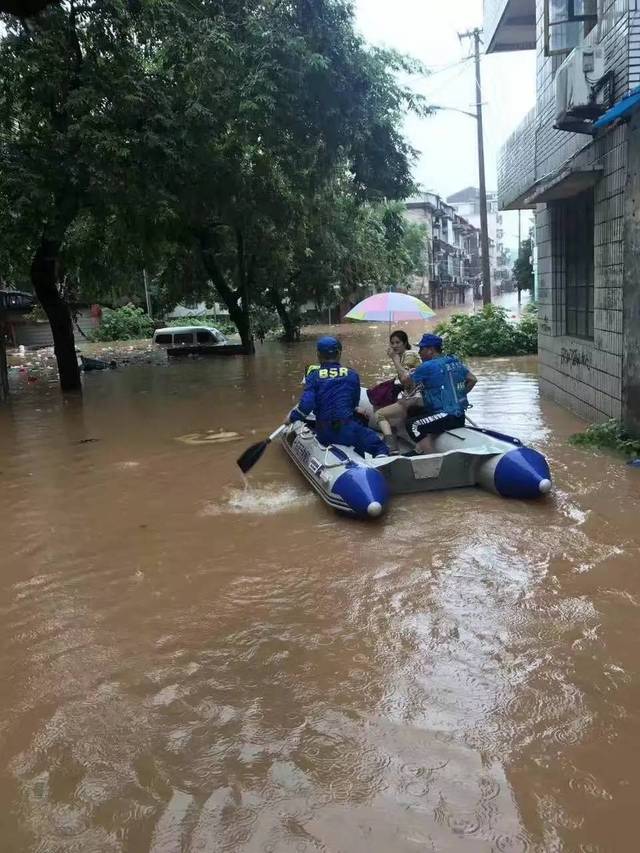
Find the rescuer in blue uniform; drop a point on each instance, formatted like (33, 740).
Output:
(332, 393)
(445, 382)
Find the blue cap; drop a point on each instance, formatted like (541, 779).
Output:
(328, 345)
(428, 340)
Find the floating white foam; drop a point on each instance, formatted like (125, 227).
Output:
(261, 500)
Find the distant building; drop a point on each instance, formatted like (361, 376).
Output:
(467, 203)
(452, 249)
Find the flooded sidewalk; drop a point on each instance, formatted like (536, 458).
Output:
(191, 666)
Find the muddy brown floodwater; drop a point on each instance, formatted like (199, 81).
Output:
(186, 666)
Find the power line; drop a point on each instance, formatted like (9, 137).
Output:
(438, 69)
(430, 91)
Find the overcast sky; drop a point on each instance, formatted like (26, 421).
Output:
(428, 30)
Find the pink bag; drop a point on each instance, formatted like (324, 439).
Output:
(384, 394)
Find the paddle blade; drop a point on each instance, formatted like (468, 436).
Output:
(251, 456)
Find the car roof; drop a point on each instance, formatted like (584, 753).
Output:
(169, 330)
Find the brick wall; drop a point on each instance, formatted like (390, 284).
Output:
(583, 375)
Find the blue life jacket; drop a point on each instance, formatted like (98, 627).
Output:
(443, 383)
(331, 391)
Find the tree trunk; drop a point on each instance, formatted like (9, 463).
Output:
(291, 330)
(236, 300)
(44, 278)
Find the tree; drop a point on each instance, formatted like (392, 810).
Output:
(523, 267)
(340, 246)
(279, 105)
(192, 140)
(81, 118)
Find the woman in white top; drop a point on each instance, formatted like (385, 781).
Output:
(397, 412)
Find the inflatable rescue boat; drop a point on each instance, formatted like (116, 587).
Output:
(469, 456)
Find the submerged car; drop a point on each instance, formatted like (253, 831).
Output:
(203, 340)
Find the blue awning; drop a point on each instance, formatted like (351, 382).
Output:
(620, 110)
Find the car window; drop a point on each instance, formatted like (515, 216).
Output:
(183, 338)
(204, 336)
(163, 339)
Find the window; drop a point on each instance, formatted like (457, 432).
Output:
(205, 337)
(183, 338)
(566, 23)
(163, 339)
(575, 228)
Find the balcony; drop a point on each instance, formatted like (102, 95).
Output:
(509, 25)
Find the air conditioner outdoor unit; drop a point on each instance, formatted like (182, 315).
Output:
(579, 83)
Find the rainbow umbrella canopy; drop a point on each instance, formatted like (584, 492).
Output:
(390, 307)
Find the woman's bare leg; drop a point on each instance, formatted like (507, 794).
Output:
(394, 412)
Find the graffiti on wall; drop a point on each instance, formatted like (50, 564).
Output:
(575, 357)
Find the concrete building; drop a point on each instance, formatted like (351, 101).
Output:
(452, 248)
(466, 202)
(575, 161)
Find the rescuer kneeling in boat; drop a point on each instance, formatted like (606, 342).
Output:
(445, 382)
(332, 393)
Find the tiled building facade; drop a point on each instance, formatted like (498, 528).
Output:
(583, 188)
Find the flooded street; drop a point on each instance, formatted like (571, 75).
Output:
(190, 666)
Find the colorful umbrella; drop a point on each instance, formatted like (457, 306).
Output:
(390, 307)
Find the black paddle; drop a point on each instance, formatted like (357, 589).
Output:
(252, 454)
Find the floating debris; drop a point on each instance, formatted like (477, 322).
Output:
(208, 437)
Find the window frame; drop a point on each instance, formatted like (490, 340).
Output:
(572, 18)
(180, 339)
(578, 267)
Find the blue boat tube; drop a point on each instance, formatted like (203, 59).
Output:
(364, 490)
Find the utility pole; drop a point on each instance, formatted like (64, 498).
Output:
(519, 232)
(146, 291)
(484, 228)
(519, 249)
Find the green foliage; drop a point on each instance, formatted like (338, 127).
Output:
(282, 110)
(490, 333)
(123, 324)
(36, 315)
(265, 322)
(81, 118)
(609, 435)
(239, 151)
(522, 268)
